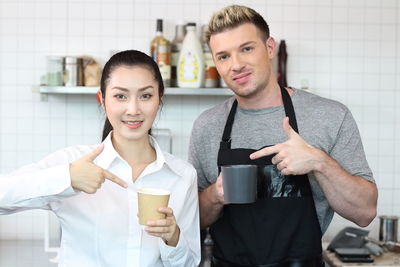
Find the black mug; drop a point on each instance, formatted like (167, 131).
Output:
(239, 183)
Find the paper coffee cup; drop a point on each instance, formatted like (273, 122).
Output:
(149, 200)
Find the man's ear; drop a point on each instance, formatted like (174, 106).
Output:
(271, 46)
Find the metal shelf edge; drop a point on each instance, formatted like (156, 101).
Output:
(198, 91)
(168, 91)
(68, 89)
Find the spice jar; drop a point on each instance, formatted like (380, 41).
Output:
(55, 70)
(73, 71)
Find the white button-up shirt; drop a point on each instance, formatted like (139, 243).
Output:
(102, 229)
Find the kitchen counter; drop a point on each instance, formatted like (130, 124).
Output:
(24, 253)
(388, 259)
(30, 253)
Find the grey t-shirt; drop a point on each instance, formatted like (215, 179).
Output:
(323, 123)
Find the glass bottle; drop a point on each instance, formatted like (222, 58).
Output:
(54, 71)
(282, 60)
(163, 59)
(160, 51)
(153, 44)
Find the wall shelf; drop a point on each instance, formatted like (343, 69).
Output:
(168, 91)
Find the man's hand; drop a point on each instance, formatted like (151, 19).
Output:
(211, 201)
(219, 190)
(87, 176)
(293, 157)
(351, 196)
(166, 228)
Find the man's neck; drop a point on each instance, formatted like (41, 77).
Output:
(269, 97)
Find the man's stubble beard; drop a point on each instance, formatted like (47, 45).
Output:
(250, 91)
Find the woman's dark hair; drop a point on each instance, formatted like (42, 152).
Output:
(129, 58)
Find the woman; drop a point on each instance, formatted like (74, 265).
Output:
(93, 190)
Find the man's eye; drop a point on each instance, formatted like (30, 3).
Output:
(247, 49)
(222, 58)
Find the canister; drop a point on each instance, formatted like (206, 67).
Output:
(388, 228)
(55, 70)
(73, 71)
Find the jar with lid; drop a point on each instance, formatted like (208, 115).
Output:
(55, 70)
(73, 71)
(211, 74)
(222, 83)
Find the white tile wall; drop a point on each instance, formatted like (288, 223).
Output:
(345, 50)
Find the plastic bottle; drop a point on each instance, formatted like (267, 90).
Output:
(191, 60)
(176, 47)
(211, 79)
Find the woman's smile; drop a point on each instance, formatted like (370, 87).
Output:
(133, 124)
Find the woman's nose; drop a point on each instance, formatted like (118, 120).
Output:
(133, 107)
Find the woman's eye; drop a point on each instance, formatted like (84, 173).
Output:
(146, 96)
(120, 97)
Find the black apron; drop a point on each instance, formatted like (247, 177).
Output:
(280, 226)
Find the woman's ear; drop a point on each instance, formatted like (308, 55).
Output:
(99, 98)
(161, 103)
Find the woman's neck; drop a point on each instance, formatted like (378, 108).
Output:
(134, 152)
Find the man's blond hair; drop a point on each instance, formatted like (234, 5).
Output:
(233, 16)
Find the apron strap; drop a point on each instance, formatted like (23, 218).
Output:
(226, 137)
(289, 111)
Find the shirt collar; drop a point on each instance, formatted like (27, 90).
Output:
(160, 159)
(109, 154)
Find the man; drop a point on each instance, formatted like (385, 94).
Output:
(307, 149)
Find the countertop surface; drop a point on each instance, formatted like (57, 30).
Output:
(387, 259)
(24, 253)
(30, 253)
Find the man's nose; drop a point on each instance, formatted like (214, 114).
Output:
(237, 63)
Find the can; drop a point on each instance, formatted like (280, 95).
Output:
(388, 228)
(73, 71)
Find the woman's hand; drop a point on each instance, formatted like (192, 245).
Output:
(87, 176)
(166, 228)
